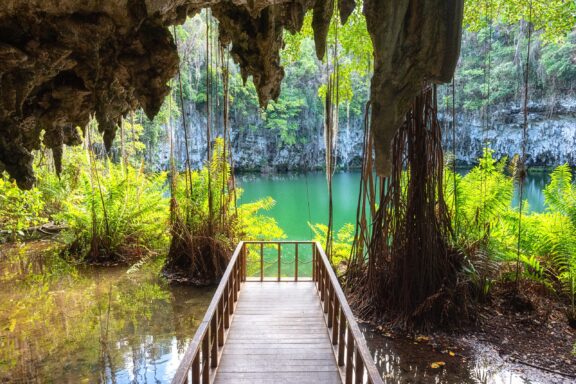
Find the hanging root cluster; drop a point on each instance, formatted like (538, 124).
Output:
(198, 255)
(203, 222)
(411, 277)
(203, 206)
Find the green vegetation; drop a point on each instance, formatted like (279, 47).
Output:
(206, 223)
(342, 243)
(488, 228)
(19, 210)
(490, 72)
(553, 18)
(118, 208)
(116, 212)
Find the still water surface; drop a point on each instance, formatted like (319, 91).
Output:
(302, 198)
(111, 326)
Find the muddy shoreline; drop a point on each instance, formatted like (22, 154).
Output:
(505, 344)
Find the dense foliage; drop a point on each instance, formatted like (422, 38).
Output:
(489, 74)
(206, 223)
(487, 228)
(492, 65)
(117, 212)
(19, 210)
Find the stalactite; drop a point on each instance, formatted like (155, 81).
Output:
(65, 60)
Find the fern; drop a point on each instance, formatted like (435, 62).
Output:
(343, 240)
(489, 226)
(122, 219)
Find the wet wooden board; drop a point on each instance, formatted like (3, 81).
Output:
(278, 335)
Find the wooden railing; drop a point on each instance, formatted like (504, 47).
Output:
(280, 273)
(202, 355)
(352, 354)
(353, 357)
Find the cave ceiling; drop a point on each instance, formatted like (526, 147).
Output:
(63, 61)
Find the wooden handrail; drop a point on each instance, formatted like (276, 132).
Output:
(351, 352)
(202, 353)
(340, 319)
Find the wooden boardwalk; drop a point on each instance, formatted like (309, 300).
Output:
(278, 329)
(278, 335)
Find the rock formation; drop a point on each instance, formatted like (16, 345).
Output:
(62, 61)
(414, 41)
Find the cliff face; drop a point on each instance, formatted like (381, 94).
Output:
(260, 149)
(551, 133)
(551, 140)
(62, 61)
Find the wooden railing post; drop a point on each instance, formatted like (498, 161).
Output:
(359, 368)
(196, 368)
(329, 305)
(243, 258)
(279, 262)
(221, 322)
(314, 262)
(335, 320)
(341, 338)
(296, 263)
(214, 341)
(206, 359)
(321, 282)
(235, 284)
(225, 308)
(349, 355)
(261, 261)
(230, 298)
(238, 281)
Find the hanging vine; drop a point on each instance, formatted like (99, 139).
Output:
(332, 102)
(520, 174)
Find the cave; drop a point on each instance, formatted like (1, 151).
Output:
(62, 62)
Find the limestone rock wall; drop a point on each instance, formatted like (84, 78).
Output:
(551, 133)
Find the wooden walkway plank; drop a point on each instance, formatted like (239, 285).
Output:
(280, 332)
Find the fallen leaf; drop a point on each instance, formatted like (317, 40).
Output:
(451, 353)
(437, 364)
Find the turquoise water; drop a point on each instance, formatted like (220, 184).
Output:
(302, 198)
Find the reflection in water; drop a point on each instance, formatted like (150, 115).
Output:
(533, 191)
(403, 361)
(106, 326)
